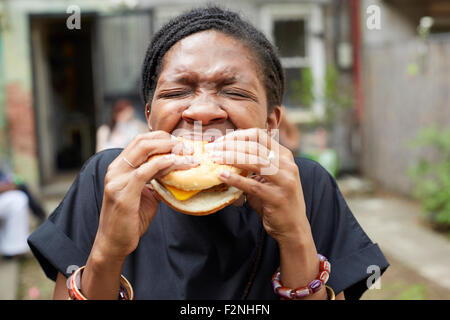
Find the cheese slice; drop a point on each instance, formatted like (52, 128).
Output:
(181, 194)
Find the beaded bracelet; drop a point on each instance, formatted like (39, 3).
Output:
(74, 284)
(302, 292)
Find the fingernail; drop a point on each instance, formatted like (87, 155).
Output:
(225, 174)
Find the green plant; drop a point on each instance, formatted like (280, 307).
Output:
(432, 178)
(303, 89)
(333, 98)
(414, 292)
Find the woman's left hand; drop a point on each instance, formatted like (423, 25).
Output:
(273, 189)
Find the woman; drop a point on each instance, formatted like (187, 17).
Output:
(206, 66)
(122, 129)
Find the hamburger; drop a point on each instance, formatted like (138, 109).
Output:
(198, 190)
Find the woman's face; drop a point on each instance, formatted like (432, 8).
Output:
(212, 79)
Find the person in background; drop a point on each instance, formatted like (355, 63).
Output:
(122, 128)
(14, 206)
(289, 133)
(9, 180)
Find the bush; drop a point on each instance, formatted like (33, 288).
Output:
(432, 178)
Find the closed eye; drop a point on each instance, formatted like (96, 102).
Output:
(173, 94)
(240, 94)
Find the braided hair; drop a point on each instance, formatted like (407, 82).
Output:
(227, 22)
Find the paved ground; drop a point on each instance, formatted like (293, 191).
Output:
(9, 276)
(419, 257)
(398, 227)
(17, 276)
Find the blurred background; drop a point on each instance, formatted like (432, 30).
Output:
(368, 96)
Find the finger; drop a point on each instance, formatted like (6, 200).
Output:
(180, 163)
(257, 178)
(249, 186)
(138, 178)
(145, 148)
(250, 147)
(253, 163)
(153, 135)
(262, 136)
(159, 166)
(183, 148)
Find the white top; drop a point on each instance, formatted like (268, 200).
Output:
(122, 134)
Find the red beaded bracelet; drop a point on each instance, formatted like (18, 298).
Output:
(302, 292)
(74, 283)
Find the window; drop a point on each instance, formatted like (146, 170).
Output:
(289, 36)
(290, 39)
(292, 29)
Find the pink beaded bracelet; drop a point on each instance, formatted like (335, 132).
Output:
(302, 292)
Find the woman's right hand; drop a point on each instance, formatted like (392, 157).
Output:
(129, 203)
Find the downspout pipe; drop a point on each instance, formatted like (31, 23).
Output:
(355, 10)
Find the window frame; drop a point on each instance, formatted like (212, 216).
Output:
(315, 57)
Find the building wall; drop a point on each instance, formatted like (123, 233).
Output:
(405, 90)
(17, 86)
(19, 108)
(17, 80)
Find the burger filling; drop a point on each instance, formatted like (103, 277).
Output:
(184, 195)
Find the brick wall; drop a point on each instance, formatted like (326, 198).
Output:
(21, 129)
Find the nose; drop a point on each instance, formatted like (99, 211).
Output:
(205, 109)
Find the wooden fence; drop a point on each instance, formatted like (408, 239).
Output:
(407, 87)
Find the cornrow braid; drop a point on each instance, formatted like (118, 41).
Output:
(222, 20)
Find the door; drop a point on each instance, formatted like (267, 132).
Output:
(63, 92)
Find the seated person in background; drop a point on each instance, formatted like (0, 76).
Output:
(15, 200)
(13, 220)
(8, 180)
(122, 128)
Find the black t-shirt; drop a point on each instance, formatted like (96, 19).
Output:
(226, 255)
